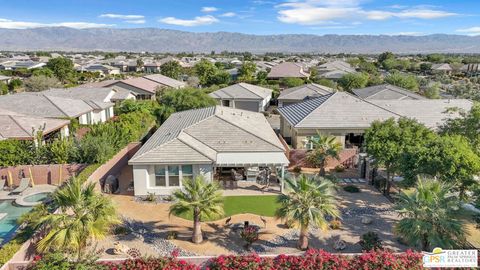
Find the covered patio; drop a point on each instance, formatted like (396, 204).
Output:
(250, 172)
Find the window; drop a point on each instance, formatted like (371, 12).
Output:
(308, 142)
(107, 113)
(187, 171)
(89, 118)
(226, 103)
(160, 177)
(173, 176)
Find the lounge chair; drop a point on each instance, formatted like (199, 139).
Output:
(24, 183)
(2, 184)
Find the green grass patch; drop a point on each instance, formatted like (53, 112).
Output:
(257, 205)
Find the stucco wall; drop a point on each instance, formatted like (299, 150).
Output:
(42, 174)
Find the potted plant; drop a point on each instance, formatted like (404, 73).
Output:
(250, 235)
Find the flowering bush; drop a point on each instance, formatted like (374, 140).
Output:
(249, 234)
(321, 260)
(152, 264)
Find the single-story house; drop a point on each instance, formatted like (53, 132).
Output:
(303, 92)
(288, 70)
(23, 127)
(340, 114)
(143, 88)
(206, 142)
(347, 116)
(152, 67)
(244, 96)
(335, 70)
(386, 92)
(165, 81)
(441, 68)
(431, 112)
(102, 69)
(5, 79)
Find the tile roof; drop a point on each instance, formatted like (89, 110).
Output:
(242, 91)
(141, 83)
(287, 70)
(336, 110)
(430, 112)
(166, 81)
(302, 92)
(21, 126)
(385, 92)
(97, 98)
(201, 134)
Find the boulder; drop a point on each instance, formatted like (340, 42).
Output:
(367, 220)
(339, 245)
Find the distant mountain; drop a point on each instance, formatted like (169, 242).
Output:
(162, 40)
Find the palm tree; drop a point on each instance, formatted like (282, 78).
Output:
(307, 203)
(430, 216)
(201, 198)
(83, 215)
(323, 147)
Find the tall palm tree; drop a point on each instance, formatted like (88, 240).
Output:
(201, 198)
(323, 147)
(83, 215)
(430, 216)
(307, 202)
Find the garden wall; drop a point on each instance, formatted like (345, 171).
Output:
(348, 158)
(115, 164)
(42, 174)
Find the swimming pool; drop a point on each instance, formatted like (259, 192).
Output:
(8, 224)
(37, 197)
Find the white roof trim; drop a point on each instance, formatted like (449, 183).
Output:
(251, 158)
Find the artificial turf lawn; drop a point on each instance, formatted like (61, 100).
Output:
(257, 205)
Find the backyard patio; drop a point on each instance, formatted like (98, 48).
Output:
(150, 225)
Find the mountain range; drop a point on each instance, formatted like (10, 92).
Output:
(164, 40)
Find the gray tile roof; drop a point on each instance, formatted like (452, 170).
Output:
(431, 112)
(4, 78)
(386, 92)
(39, 104)
(302, 92)
(337, 65)
(21, 126)
(242, 91)
(337, 110)
(166, 81)
(202, 133)
(97, 98)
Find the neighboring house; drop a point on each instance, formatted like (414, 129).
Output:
(386, 92)
(202, 142)
(102, 69)
(41, 105)
(152, 67)
(100, 99)
(14, 65)
(288, 70)
(22, 127)
(165, 81)
(340, 114)
(303, 92)
(335, 70)
(441, 68)
(431, 112)
(143, 88)
(5, 79)
(244, 96)
(471, 69)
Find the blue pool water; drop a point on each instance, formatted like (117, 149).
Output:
(36, 197)
(8, 224)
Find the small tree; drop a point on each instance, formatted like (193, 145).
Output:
(247, 71)
(323, 147)
(307, 202)
(405, 81)
(353, 80)
(201, 198)
(171, 69)
(41, 83)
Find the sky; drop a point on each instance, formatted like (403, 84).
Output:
(398, 17)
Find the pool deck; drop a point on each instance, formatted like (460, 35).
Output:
(6, 195)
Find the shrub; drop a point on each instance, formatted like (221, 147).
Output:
(247, 262)
(250, 235)
(312, 259)
(152, 263)
(8, 250)
(335, 224)
(297, 169)
(351, 189)
(171, 235)
(385, 260)
(151, 197)
(370, 241)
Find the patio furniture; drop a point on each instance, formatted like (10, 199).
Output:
(24, 183)
(252, 173)
(2, 184)
(235, 175)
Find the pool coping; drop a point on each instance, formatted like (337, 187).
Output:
(21, 200)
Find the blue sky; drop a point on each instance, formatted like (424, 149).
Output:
(251, 16)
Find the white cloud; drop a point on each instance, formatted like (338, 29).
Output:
(316, 12)
(6, 23)
(209, 9)
(135, 21)
(122, 16)
(228, 14)
(199, 20)
(407, 34)
(473, 31)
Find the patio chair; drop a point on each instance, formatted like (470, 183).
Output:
(24, 183)
(236, 176)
